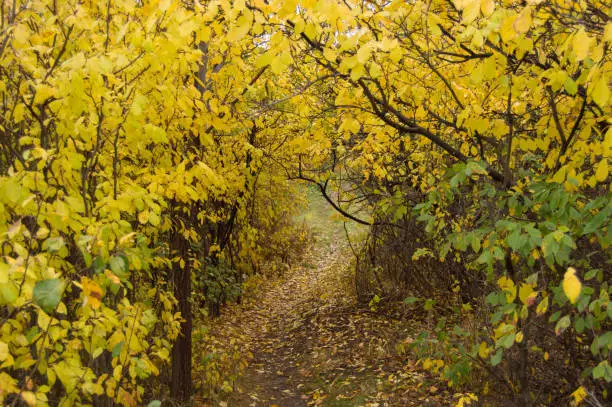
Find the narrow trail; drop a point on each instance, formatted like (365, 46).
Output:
(281, 332)
(311, 345)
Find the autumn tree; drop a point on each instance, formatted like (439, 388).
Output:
(127, 161)
(146, 148)
(488, 123)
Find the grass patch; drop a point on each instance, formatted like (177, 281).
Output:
(326, 224)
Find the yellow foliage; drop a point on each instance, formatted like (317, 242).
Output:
(579, 395)
(571, 285)
(509, 288)
(148, 136)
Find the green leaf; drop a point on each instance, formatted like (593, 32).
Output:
(515, 240)
(410, 300)
(475, 243)
(117, 349)
(603, 371)
(119, 265)
(98, 265)
(485, 258)
(48, 294)
(604, 342)
(53, 244)
(595, 223)
(154, 403)
(508, 340)
(496, 359)
(562, 324)
(32, 333)
(495, 298)
(580, 325)
(570, 86)
(591, 274)
(550, 247)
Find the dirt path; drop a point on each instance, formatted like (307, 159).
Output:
(311, 345)
(280, 329)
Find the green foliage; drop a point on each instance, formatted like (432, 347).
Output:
(47, 294)
(374, 303)
(216, 285)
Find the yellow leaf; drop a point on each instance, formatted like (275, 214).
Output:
(29, 398)
(579, 395)
(523, 21)
(19, 112)
(164, 5)
(487, 7)
(396, 54)
(93, 292)
(112, 277)
(387, 44)
(519, 337)
(143, 217)
(265, 59)
(542, 306)
(507, 30)
(581, 44)
(4, 351)
(44, 92)
(21, 34)
(461, 4)
(357, 72)
(601, 170)
(559, 176)
(470, 12)
(477, 39)
(363, 54)
(504, 330)
(484, 350)
(600, 92)
(154, 219)
(127, 239)
(242, 27)
(607, 37)
(526, 294)
(507, 285)
(571, 285)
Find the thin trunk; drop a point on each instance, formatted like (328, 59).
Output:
(524, 399)
(524, 371)
(180, 388)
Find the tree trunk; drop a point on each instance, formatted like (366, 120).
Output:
(180, 388)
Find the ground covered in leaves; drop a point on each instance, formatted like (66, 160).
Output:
(303, 340)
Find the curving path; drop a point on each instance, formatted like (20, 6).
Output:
(311, 345)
